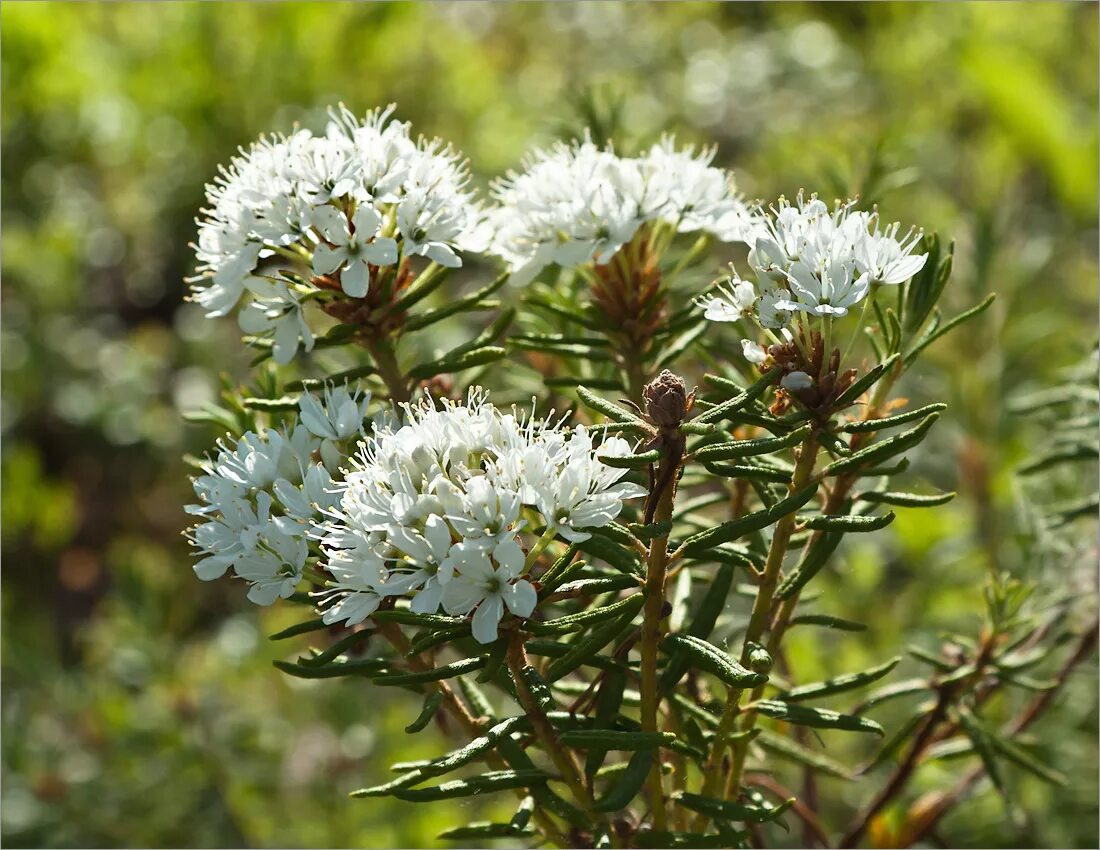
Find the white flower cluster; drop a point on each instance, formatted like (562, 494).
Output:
(807, 259)
(434, 507)
(364, 193)
(261, 496)
(576, 204)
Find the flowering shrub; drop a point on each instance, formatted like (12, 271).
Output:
(560, 587)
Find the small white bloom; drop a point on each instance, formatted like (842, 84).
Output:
(578, 204)
(753, 352)
(352, 250)
(280, 314)
(488, 582)
(734, 302)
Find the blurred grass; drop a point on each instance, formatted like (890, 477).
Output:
(139, 706)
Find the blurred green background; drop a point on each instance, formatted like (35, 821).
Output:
(140, 707)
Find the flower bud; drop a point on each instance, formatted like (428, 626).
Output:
(667, 399)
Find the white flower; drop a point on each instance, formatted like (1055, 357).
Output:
(809, 260)
(829, 290)
(886, 259)
(337, 420)
(433, 507)
(259, 499)
(753, 352)
(278, 312)
(682, 186)
(578, 204)
(489, 582)
(283, 197)
(352, 250)
(734, 301)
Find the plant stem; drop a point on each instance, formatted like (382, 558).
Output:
(470, 726)
(563, 758)
(656, 573)
(945, 801)
(539, 547)
(386, 360)
(758, 620)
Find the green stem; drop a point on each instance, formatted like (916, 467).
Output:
(472, 728)
(562, 758)
(656, 573)
(389, 371)
(539, 547)
(758, 620)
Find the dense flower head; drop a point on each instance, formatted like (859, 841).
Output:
(579, 203)
(811, 260)
(260, 495)
(434, 507)
(365, 193)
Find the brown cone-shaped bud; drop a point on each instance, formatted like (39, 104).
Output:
(667, 400)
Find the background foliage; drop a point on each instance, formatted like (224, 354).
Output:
(140, 707)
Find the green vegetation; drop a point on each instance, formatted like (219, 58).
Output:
(141, 708)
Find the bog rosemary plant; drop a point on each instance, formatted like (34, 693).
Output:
(551, 585)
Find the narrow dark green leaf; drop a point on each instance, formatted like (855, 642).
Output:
(931, 336)
(878, 452)
(623, 559)
(618, 415)
(864, 383)
(458, 362)
(609, 700)
(982, 745)
(1021, 758)
(818, 718)
(475, 749)
(584, 619)
(894, 690)
(431, 704)
(337, 378)
(711, 605)
(473, 301)
(733, 529)
(907, 500)
(844, 523)
(815, 558)
(299, 629)
(484, 831)
(748, 471)
(500, 780)
(630, 783)
(271, 404)
(631, 461)
(730, 809)
(337, 649)
(706, 656)
(411, 778)
(612, 739)
(746, 396)
(363, 667)
(447, 671)
(596, 586)
(838, 684)
(864, 426)
(411, 618)
(584, 650)
(748, 448)
(786, 747)
(537, 687)
(828, 621)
